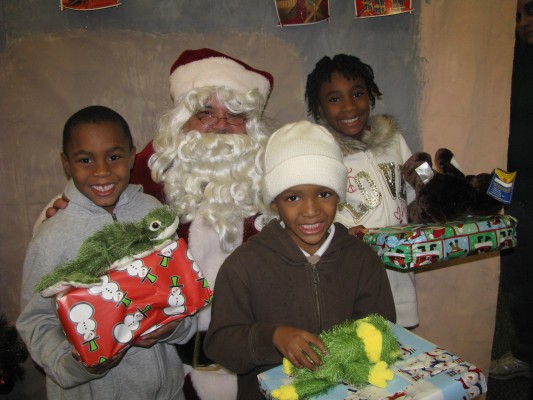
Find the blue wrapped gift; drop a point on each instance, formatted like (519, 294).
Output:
(425, 371)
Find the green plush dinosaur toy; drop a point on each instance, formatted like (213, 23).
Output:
(358, 352)
(115, 245)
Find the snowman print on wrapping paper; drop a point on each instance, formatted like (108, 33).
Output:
(428, 364)
(110, 291)
(369, 392)
(166, 254)
(81, 315)
(471, 379)
(137, 268)
(176, 299)
(123, 332)
(195, 267)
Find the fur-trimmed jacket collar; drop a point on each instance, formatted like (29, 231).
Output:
(382, 128)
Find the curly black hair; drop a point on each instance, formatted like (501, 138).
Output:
(350, 67)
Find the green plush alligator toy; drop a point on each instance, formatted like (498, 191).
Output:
(115, 245)
(359, 352)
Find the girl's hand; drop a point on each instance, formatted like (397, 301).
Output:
(295, 345)
(358, 231)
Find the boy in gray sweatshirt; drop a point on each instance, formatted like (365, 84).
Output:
(98, 154)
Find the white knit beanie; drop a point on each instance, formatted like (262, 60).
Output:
(303, 153)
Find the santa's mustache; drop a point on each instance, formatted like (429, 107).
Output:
(215, 147)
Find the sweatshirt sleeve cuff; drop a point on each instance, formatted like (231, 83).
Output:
(262, 346)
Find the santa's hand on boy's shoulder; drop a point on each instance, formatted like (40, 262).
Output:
(296, 346)
(59, 204)
(358, 230)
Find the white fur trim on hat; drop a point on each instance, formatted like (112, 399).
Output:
(303, 153)
(216, 71)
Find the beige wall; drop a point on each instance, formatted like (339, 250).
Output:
(467, 52)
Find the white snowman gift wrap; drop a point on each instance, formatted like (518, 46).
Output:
(147, 293)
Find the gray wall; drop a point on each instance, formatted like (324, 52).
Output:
(389, 44)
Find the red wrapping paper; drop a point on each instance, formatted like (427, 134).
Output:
(144, 295)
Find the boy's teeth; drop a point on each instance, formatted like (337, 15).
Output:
(311, 226)
(103, 188)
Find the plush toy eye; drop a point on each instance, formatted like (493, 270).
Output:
(154, 226)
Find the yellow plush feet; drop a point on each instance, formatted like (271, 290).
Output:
(379, 375)
(285, 392)
(287, 367)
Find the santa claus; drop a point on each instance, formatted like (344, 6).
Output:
(205, 160)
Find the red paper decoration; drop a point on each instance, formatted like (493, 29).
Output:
(378, 8)
(302, 12)
(86, 5)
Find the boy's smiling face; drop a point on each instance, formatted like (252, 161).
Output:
(345, 104)
(308, 212)
(99, 160)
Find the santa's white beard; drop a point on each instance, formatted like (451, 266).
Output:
(216, 176)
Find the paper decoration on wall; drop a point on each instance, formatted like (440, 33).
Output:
(302, 12)
(86, 5)
(379, 8)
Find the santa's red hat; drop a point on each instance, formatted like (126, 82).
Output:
(206, 67)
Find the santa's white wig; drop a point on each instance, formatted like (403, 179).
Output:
(216, 176)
